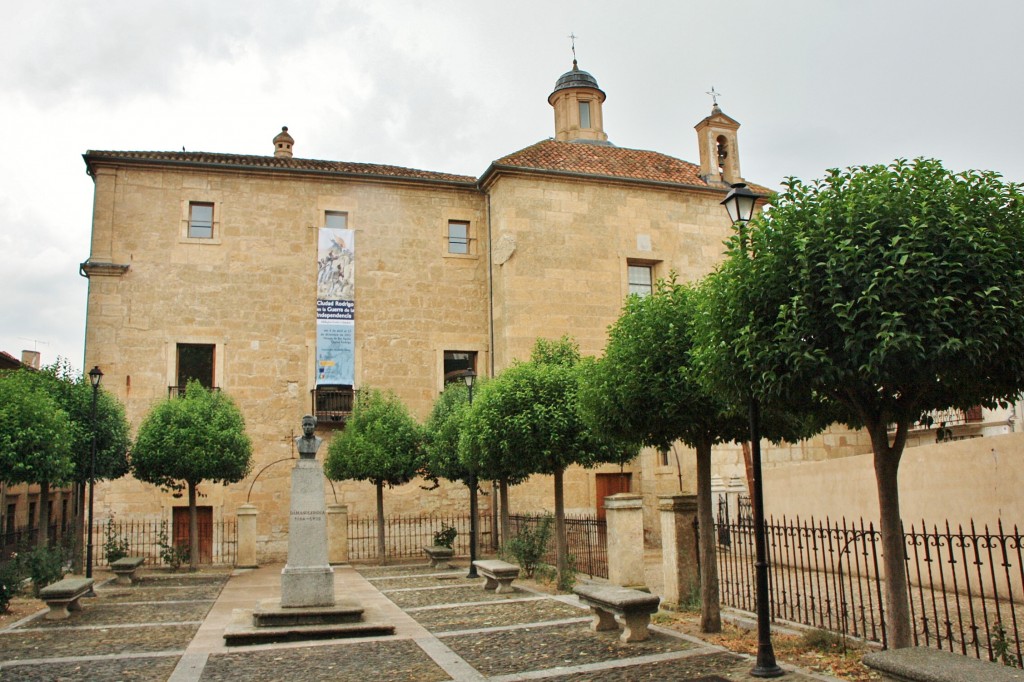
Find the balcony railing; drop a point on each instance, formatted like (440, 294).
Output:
(179, 391)
(332, 403)
(946, 419)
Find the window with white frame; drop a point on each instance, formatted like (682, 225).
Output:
(200, 220)
(641, 279)
(458, 236)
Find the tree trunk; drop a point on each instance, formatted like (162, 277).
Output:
(43, 540)
(506, 527)
(381, 550)
(495, 501)
(193, 529)
(748, 469)
(897, 603)
(561, 546)
(710, 610)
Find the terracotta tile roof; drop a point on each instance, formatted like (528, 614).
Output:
(274, 163)
(609, 162)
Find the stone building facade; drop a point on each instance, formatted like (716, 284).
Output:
(204, 265)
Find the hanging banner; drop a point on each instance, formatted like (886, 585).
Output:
(335, 307)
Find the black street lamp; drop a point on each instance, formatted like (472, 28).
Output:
(95, 376)
(469, 377)
(739, 202)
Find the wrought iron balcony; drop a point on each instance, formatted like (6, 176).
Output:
(179, 391)
(332, 404)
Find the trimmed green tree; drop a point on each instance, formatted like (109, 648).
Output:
(889, 291)
(184, 441)
(527, 421)
(647, 389)
(73, 393)
(381, 443)
(35, 439)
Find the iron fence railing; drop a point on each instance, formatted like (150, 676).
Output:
(218, 540)
(20, 539)
(966, 585)
(586, 537)
(405, 536)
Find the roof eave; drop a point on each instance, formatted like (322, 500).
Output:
(496, 169)
(92, 158)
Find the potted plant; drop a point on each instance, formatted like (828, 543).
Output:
(441, 551)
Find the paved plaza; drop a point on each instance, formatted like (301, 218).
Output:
(170, 627)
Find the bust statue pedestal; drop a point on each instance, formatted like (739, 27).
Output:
(307, 579)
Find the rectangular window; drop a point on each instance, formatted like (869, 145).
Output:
(641, 280)
(31, 514)
(584, 114)
(456, 362)
(12, 512)
(458, 236)
(200, 220)
(195, 361)
(336, 219)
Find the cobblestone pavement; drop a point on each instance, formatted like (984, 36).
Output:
(170, 627)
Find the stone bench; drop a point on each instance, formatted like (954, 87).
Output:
(608, 601)
(498, 574)
(125, 568)
(921, 664)
(63, 595)
(439, 556)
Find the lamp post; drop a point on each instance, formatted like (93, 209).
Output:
(739, 202)
(95, 376)
(469, 377)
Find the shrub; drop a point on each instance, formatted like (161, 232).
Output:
(45, 565)
(11, 576)
(529, 544)
(114, 547)
(171, 554)
(446, 536)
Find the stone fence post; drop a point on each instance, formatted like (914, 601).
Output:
(625, 539)
(678, 548)
(246, 519)
(337, 533)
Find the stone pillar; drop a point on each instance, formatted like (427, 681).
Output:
(307, 579)
(678, 548)
(625, 539)
(246, 519)
(337, 533)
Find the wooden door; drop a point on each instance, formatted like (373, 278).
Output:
(610, 484)
(204, 519)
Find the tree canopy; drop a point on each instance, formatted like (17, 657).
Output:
(889, 291)
(527, 420)
(381, 443)
(647, 388)
(441, 434)
(35, 433)
(184, 441)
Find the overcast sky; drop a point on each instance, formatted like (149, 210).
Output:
(451, 86)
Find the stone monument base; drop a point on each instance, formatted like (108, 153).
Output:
(270, 622)
(307, 586)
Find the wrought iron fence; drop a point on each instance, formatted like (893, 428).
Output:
(20, 539)
(966, 586)
(218, 540)
(586, 536)
(405, 536)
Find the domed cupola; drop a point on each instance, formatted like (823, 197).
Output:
(577, 102)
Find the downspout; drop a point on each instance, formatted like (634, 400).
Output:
(490, 284)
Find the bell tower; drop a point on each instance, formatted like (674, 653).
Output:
(719, 151)
(577, 102)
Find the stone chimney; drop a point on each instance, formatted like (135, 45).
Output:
(283, 144)
(30, 358)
